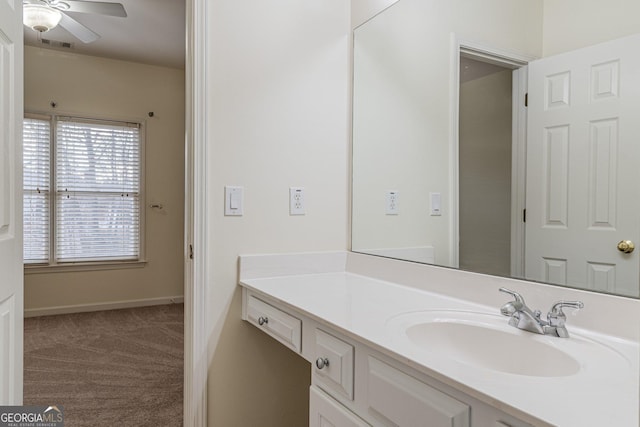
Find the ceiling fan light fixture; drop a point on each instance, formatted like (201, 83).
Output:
(40, 18)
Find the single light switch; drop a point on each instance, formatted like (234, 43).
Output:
(436, 204)
(233, 201)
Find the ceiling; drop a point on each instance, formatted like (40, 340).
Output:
(470, 69)
(152, 33)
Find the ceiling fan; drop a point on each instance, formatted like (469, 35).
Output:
(43, 15)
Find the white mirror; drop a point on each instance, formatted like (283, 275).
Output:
(448, 162)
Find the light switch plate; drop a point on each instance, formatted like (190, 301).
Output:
(233, 201)
(391, 203)
(436, 204)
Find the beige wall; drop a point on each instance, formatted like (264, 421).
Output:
(277, 117)
(106, 88)
(485, 174)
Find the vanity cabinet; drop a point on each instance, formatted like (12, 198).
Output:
(355, 385)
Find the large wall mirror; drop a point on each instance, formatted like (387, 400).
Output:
(451, 168)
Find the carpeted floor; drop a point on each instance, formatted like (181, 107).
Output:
(108, 368)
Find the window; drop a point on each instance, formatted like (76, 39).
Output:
(82, 190)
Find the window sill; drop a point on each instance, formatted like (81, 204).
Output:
(82, 266)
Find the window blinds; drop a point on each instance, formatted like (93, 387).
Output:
(97, 191)
(36, 175)
(95, 206)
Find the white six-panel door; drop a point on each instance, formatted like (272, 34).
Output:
(11, 271)
(583, 167)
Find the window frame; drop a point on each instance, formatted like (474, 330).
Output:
(78, 265)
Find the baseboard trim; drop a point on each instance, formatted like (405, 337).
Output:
(115, 305)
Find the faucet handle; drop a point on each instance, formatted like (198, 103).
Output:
(511, 308)
(514, 294)
(556, 316)
(557, 307)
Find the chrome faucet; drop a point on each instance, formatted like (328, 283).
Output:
(522, 317)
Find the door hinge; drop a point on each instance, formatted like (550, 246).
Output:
(190, 251)
(524, 215)
(526, 99)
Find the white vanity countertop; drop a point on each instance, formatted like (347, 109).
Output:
(604, 393)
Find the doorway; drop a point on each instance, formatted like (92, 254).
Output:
(488, 158)
(161, 210)
(485, 167)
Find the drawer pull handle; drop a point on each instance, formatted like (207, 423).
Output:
(321, 362)
(263, 320)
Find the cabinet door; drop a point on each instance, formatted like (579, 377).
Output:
(510, 424)
(326, 412)
(397, 399)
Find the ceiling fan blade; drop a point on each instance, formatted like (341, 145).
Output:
(77, 29)
(98, 7)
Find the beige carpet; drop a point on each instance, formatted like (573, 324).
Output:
(108, 368)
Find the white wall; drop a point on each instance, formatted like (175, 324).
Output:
(277, 117)
(106, 88)
(363, 10)
(572, 24)
(401, 128)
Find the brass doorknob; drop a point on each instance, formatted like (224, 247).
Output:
(626, 246)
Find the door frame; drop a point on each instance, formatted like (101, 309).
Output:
(517, 62)
(11, 204)
(195, 232)
(520, 89)
(196, 227)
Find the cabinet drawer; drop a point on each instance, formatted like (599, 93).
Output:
(333, 364)
(398, 399)
(275, 322)
(326, 412)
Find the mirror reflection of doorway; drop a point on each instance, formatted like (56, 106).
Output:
(485, 167)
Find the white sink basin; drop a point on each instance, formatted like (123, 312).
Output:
(487, 341)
